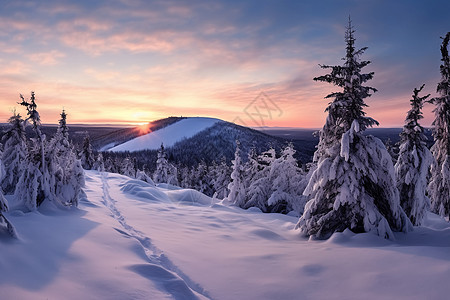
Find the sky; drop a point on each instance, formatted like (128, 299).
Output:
(249, 62)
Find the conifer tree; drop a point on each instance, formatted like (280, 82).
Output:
(185, 177)
(172, 175)
(237, 192)
(204, 179)
(14, 153)
(4, 208)
(165, 172)
(414, 161)
(252, 166)
(353, 186)
(86, 154)
(260, 187)
(351, 80)
(109, 164)
(439, 187)
(221, 179)
(127, 168)
(288, 184)
(99, 164)
(392, 149)
(66, 168)
(31, 185)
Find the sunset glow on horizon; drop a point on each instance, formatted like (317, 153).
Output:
(131, 62)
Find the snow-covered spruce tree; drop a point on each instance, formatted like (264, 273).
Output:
(221, 179)
(204, 178)
(414, 161)
(14, 153)
(185, 177)
(69, 189)
(165, 172)
(196, 174)
(288, 184)
(260, 187)
(439, 187)
(237, 192)
(86, 155)
(354, 185)
(65, 167)
(99, 164)
(4, 208)
(30, 189)
(110, 165)
(392, 149)
(172, 175)
(351, 80)
(162, 167)
(252, 166)
(127, 167)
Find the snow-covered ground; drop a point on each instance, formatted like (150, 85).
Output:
(169, 135)
(130, 240)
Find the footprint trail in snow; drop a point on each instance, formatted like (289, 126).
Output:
(159, 268)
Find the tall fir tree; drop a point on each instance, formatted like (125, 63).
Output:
(86, 155)
(67, 169)
(237, 192)
(414, 161)
(30, 189)
(165, 172)
(14, 153)
(439, 187)
(351, 80)
(353, 185)
(162, 167)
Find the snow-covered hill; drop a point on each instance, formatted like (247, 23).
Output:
(131, 240)
(169, 135)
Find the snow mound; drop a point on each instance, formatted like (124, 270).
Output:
(165, 193)
(168, 136)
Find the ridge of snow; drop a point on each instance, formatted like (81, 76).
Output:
(169, 135)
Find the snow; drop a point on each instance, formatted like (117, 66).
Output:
(133, 240)
(183, 129)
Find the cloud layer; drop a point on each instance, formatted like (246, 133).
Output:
(134, 61)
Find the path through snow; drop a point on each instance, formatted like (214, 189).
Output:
(159, 268)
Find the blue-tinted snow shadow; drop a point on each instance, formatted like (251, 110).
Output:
(165, 280)
(431, 240)
(34, 260)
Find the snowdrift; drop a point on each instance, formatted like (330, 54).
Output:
(133, 240)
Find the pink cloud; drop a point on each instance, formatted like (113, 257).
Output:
(15, 67)
(102, 75)
(96, 44)
(47, 58)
